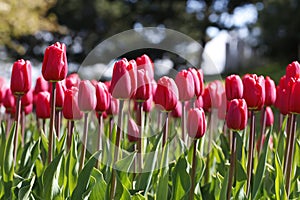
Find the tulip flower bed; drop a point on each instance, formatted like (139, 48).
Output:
(135, 138)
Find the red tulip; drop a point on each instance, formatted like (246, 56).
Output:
(71, 110)
(282, 96)
(293, 70)
(143, 88)
(199, 102)
(28, 109)
(55, 65)
(144, 62)
(270, 91)
(166, 95)
(87, 96)
(196, 124)
(216, 89)
(133, 131)
(237, 115)
(9, 101)
(43, 106)
(113, 108)
(103, 97)
(254, 91)
(2, 89)
(41, 85)
(27, 99)
(177, 112)
(269, 117)
(121, 83)
(72, 80)
(20, 82)
(60, 94)
(294, 106)
(223, 107)
(147, 105)
(234, 87)
(206, 100)
(198, 81)
(185, 84)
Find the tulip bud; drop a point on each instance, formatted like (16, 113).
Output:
(121, 82)
(28, 109)
(144, 62)
(237, 115)
(185, 84)
(143, 90)
(113, 108)
(87, 96)
(9, 100)
(216, 89)
(43, 105)
(133, 131)
(254, 91)
(20, 82)
(71, 110)
(60, 94)
(177, 112)
(199, 102)
(27, 99)
(270, 91)
(196, 124)
(198, 81)
(282, 96)
(41, 85)
(147, 105)
(55, 65)
(234, 87)
(269, 116)
(166, 95)
(294, 98)
(206, 100)
(103, 97)
(293, 70)
(72, 80)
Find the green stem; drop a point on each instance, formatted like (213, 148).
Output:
(291, 154)
(116, 154)
(288, 141)
(85, 132)
(52, 120)
(17, 127)
(193, 173)
(232, 164)
(250, 152)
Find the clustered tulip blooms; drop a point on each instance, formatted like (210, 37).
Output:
(68, 99)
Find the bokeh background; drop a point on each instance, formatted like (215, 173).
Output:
(240, 36)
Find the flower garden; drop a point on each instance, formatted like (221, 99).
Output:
(135, 137)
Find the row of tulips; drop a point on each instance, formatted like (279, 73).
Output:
(55, 95)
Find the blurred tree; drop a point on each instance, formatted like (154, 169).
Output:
(279, 22)
(26, 17)
(91, 21)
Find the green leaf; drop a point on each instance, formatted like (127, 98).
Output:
(181, 179)
(260, 170)
(8, 161)
(99, 189)
(280, 192)
(50, 178)
(26, 189)
(72, 166)
(162, 188)
(122, 192)
(224, 186)
(125, 163)
(84, 177)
